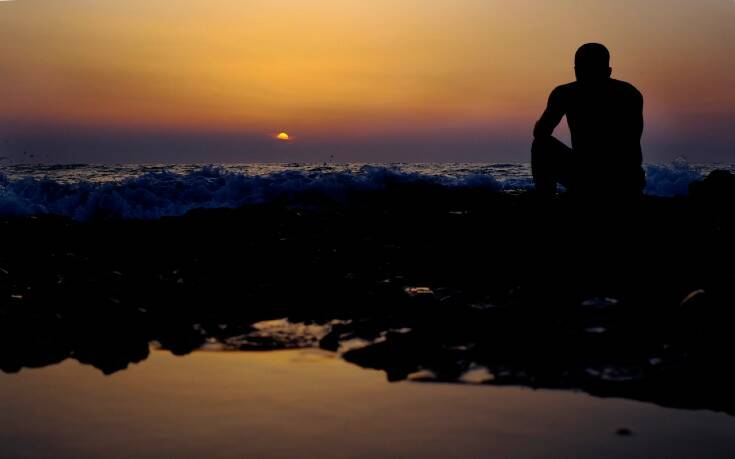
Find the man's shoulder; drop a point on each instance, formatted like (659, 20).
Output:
(563, 89)
(626, 88)
(562, 92)
(620, 85)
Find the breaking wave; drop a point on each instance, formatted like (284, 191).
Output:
(166, 192)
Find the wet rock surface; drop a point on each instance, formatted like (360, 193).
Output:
(427, 284)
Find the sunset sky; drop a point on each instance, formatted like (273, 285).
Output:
(378, 80)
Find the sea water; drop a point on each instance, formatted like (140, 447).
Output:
(312, 404)
(150, 191)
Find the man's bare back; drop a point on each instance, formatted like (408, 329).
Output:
(605, 118)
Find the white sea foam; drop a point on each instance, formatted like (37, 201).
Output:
(85, 192)
(672, 179)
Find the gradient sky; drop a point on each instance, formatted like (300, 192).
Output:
(378, 80)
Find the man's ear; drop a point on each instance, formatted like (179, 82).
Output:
(609, 72)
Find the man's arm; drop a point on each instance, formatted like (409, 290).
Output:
(551, 117)
(638, 127)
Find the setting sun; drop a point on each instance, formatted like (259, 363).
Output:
(283, 136)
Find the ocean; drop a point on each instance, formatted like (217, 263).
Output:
(151, 191)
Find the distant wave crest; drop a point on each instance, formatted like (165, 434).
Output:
(165, 193)
(670, 180)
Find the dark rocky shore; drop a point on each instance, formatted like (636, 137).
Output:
(425, 282)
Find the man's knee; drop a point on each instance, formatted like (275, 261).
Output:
(541, 154)
(542, 166)
(548, 152)
(540, 145)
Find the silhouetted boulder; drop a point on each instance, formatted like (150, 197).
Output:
(718, 186)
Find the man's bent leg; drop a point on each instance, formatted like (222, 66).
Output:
(551, 163)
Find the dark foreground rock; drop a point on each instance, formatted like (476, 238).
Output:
(632, 300)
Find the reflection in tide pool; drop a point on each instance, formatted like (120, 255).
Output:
(310, 404)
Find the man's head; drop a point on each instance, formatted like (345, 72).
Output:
(592, 63)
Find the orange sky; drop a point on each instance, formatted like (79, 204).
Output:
(330, 70)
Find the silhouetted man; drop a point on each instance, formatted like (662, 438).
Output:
(605, 117)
